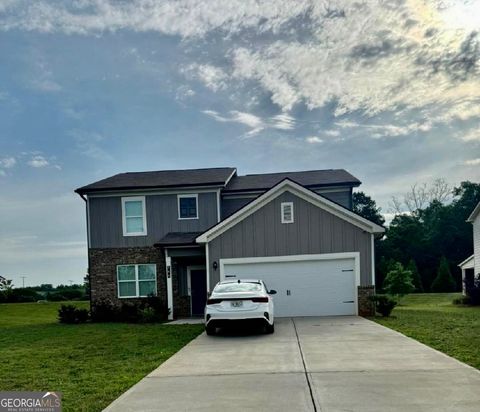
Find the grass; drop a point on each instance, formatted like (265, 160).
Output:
(433, 320)
(91, 364)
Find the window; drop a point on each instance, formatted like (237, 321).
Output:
(188, 206)
(287, 212)
(136, 281)
(134, 216)
(235, 287)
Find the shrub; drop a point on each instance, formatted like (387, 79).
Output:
(150, 309)
(444, 281)
(71, 314)
(159, 307)
(473, 292)
(383, 304)
(416, 279)
(104, 311)
(129, 312)
(398, 281)
(82, 315)
(148, 315)
(464, 300)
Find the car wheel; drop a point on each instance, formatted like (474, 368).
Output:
(210, 330)
(269, 328)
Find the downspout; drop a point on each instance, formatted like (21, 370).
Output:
(87, 218)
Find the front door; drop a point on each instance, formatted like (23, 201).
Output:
(198, 290)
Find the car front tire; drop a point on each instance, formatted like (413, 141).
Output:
(210, 330)
(269, 328)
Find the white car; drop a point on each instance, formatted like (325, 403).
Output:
(239, 300)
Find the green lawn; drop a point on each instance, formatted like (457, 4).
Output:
(433, 319)
(91, 364)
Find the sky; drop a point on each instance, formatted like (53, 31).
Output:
(389, 90)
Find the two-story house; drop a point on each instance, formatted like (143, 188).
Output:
(176, 233)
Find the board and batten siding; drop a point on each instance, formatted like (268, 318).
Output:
(231, 205)
(314, 231)
(162, 217)
(476, 243)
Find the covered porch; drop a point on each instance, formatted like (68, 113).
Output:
(186, 274)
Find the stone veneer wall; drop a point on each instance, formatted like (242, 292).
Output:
(365, 306)
(103, 270)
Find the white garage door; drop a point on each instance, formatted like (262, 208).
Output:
(304, 287)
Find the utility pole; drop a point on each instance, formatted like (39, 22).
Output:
(23, 281)
(71, 281)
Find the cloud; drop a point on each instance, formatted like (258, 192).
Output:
(212, 77)
(469, 135)
(472, 162)
(38, 162)
(313, 140)
(368, 57)
(254, 122)
(7, 162)
(90, 144)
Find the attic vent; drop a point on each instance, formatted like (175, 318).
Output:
(287, 212)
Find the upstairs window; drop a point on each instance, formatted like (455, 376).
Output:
(188, 206)
(134, 216)
(136, 281)
(287, 212)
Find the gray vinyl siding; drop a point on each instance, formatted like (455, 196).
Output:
(230, 206)
(314, 231)
(162, 217)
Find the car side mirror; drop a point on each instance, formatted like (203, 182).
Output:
(272, 292)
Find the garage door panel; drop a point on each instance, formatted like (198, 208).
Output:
(304, 287)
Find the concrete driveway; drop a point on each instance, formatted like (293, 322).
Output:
(309, 364)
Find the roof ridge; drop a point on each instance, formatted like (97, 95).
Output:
(296, 171)
(177, 170)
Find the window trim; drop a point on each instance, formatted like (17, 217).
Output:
(136, 280)
(282, 208)
(124, 217)
(187, 195)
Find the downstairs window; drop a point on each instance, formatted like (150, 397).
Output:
(135, 281)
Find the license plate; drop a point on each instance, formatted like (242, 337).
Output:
(236, 304)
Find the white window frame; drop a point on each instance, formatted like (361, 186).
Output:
(282, 208)
(136, 280)
(124, 217)
(190, 195)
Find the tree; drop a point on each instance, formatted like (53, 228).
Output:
(5, 284)
(366, 207)
(444, 281)
(416, 280)
(420, 196)
(399, 281)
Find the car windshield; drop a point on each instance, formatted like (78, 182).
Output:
(238, 287)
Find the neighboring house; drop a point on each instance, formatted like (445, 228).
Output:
(177, 233)
(471, 266)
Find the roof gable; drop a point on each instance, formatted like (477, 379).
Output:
(301, 192)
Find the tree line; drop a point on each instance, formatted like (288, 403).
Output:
(429, 235)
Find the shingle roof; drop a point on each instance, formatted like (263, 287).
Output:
(178, 238)
(310, 178)
(161, 179)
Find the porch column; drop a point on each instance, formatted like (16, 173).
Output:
(463, 282)
(168, 271)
